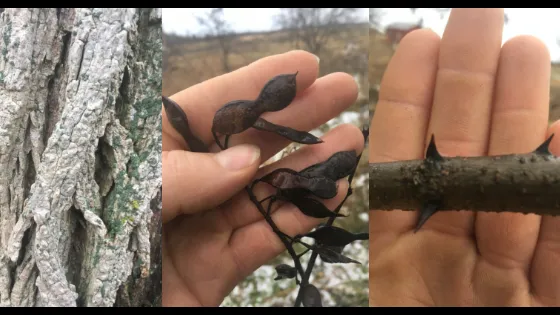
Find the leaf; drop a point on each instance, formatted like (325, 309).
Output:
(286, 132)
(285, 272)
(339, 165)
(331, 255)
(335, 236)
(178, 119)
(311, 296)
(235, 117)
(313, 208)
(289, 180)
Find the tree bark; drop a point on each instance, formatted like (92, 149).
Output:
(80, 157)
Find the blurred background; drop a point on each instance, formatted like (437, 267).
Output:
(388, 27)
(200, 44)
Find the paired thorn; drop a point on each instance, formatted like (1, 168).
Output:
(432, 152)
(425, 213)
(543, 149)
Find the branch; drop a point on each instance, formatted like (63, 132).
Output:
(522, 183)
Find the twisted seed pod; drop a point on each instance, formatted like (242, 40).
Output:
(238, 116)
(235, 117)
(277, 93)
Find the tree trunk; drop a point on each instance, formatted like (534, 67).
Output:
(80, 157)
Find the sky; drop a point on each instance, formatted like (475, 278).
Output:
(541, 23)
(181, 21)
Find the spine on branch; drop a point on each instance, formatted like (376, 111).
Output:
(523, 183)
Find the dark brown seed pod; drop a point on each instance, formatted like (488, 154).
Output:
(179, 121)
(311, 296)
(285, 272)
(288, 180)
(288, 133)
(335, 236)
(339, 165)
(277, 93)
(333, 256)
(235, 117)
(313, 208)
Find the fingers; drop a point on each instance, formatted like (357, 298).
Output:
(241, 212)
(200, 102)
(519, 123)
(544, 274)
(194, 182)
(326, 98)
(256, 244)
(460, 118)
(400, 121)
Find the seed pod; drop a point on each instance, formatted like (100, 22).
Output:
(313, 208)
(288, 180)
(338, 166)
(277, 93)
(335, 236)
(311, 296)
(178, 119)
(235, 117)
(288, 133)
(285, 272)
(332, 255)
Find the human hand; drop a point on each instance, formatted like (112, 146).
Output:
(214, 236)
(477, 98)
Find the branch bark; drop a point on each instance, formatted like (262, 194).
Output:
(524, 183)
(80, 154)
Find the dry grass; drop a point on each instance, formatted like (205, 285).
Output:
(196, 61)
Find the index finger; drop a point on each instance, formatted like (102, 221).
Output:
(400, 122)
(200, 102)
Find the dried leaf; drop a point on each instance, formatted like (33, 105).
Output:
(313, 208)
(235, 117)
(331, 255)
(179, 121)
(335, 236)
(285, 272)
(287, 179)
(311, 296)
(286, 132)
(277, 93)
(339, 165)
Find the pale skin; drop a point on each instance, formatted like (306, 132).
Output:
(478, 98)
(213, 236)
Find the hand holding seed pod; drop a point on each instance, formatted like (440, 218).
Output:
(299, 188)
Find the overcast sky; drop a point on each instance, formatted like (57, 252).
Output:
(541, 23)
(182, 21)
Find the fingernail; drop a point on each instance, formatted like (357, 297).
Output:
(238, 157)
(318, 59)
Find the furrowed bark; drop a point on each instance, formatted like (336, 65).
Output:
(80, 155)
(524, 183)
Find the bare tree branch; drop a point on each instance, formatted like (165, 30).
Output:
(314, 27)
(216, 26)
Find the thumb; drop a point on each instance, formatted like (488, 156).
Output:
(194, 182)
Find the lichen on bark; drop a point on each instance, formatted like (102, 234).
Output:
(80, 157)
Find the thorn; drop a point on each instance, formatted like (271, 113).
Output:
(543, 148)
(296, 73)
(425, 213)
(432, 152)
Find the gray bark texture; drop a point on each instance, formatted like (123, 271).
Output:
(80, 157)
